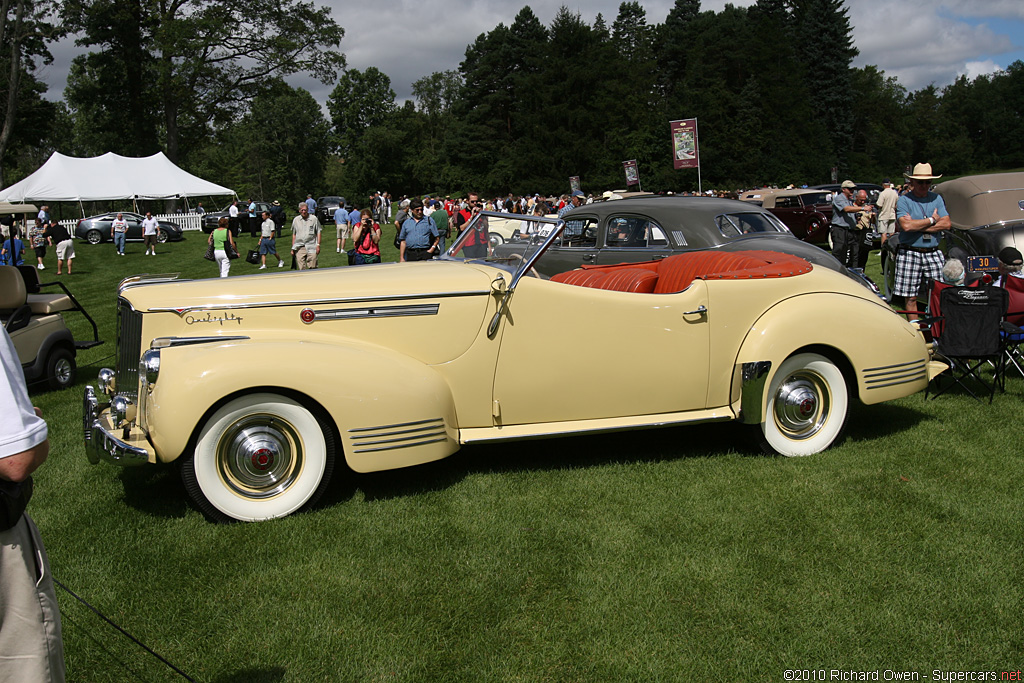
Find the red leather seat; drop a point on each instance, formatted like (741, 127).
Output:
(675, 273)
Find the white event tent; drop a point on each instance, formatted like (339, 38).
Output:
(110, 176)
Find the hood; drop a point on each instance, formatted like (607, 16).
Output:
(378, 281)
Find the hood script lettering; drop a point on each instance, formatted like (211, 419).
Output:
(210, 318)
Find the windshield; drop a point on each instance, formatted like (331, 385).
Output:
(733, 225)
(475, 242)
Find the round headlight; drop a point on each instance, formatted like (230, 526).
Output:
(149, 365)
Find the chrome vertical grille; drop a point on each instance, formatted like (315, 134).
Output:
(129, 350)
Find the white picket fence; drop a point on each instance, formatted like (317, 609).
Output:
(186, 221)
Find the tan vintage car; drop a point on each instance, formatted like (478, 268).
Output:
(394, 365)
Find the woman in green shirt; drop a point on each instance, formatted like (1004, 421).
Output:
(219, 238)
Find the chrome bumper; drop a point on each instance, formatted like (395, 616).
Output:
(100, 443)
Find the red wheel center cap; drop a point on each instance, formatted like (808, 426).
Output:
(263, 459)
(807, 407)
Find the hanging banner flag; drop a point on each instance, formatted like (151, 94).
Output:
(574, 184)
(632, 172)
(684, 143)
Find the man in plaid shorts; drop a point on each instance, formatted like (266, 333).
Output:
(921, 215)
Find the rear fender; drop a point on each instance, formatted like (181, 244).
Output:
(389, 410)
(882, 356)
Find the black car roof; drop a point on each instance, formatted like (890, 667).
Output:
(668, 211)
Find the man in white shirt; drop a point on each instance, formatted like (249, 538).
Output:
(305, 238)
(31, 647)
(267, 243)
(233, 218)
(150, 231)
(886, 204)
(118, 232)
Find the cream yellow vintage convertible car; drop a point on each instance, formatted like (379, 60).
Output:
(392, 365)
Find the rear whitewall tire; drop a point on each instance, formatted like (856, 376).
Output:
(259, 456)
(806, 407)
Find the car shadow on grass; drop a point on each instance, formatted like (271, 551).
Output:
(269, 675)
(155, 490)
(635, 446)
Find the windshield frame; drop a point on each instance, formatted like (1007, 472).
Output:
(527, 260)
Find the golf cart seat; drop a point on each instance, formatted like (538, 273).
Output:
(42, 304)
(12, 290)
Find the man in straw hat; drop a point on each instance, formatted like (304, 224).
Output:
(921, 215)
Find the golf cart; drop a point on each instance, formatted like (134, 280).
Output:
(36, 325)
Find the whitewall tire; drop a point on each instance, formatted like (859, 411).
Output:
(259, 456)
(806, 407)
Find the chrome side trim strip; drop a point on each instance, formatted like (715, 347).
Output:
(400, 440)
(417, 430)
(169, 342)
(922, 375)
(407, 445)
(883, 378)
(321, 302)
(432, 420)
(406, 435)
(381, 312)
(136, 280)
(754, 376)
(891, 367)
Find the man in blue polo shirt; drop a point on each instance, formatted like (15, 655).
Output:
(341, 223)
(921, 215)
(419, 235)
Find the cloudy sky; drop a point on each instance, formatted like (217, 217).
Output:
(917, 41)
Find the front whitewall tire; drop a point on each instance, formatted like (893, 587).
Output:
(259, 456)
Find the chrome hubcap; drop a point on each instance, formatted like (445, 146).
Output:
(801, 405)
(259, 456)
(62, 371)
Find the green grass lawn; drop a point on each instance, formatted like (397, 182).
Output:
(666, 555)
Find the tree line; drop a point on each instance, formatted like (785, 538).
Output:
(771, 85)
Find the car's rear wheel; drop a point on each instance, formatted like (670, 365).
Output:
(61, 369)
(162, 236)
(93, 237)
(259, 456)
(888, 275)
(807, 406)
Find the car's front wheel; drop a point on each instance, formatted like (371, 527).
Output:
(259, 456)
(162, 236)
(93, 237)
(807, 406)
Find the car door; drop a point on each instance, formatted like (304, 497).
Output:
(134, 222)
(572, 353)
(577, 245)
(790, 211)
(631, 238)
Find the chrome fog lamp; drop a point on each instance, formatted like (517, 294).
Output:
(122, 410)
(149, 365)
(106, 382)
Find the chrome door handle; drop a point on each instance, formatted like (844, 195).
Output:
(702, 309)
(589, 257)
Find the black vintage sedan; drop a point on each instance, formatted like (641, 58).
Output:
(211, 219)
(650, 227)
(96, 229)
(326, 206)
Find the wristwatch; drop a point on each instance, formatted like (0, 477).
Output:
(931, 220)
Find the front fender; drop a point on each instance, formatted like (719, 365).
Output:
(390, 410)
(883, 355)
